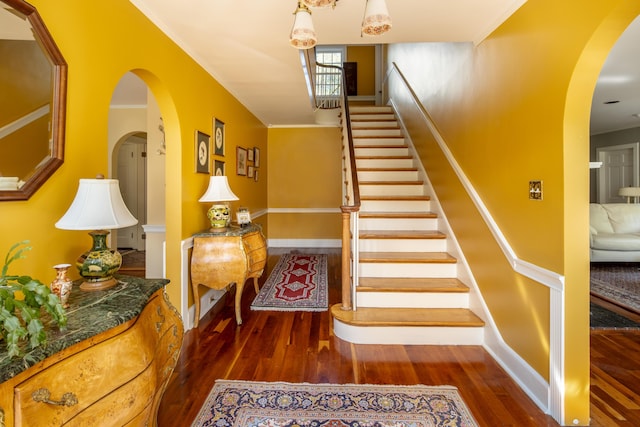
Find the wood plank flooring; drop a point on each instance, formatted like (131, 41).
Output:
(300, 347)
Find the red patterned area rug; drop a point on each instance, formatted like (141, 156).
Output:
(297, 283)
(278, 404)
(618, 283)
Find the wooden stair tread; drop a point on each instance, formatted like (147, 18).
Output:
(383, 157)
(391, 198)
(398, 215)
(387, 169)
(401, 234)
(381, 146)
(370, 316)
(411, 284)
(376, 136)
(407, 257)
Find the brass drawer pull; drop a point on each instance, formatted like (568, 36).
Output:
(44, 395)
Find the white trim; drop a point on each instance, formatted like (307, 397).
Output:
(304, 210)
(23, 121)
(304, 243)
(187, 318)
(154, 228)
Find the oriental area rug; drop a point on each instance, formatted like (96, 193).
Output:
(618, 283)
(279, 404)
(297, 283)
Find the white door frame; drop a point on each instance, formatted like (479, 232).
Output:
(602, 153)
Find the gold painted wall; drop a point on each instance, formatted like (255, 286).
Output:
(98, 54)
(513, 109)
(304, 177)
(365, 56)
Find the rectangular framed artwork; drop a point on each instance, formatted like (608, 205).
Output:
(218, 168)
(241, 161)
(202, 152)
(218, 132)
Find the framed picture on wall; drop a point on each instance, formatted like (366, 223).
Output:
(250, 172)
(203, 145)
(241, 161)
(218, 132)
(218, 168)
(256, 157)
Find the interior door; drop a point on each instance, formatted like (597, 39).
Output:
(620, 168)
(132, 179)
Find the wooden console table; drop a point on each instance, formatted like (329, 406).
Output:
(109, 367)
(221, 258)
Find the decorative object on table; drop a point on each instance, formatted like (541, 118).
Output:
(218, 192)
(243, 217)
(630, 193)
(98, 206)
(617, 283)
(256, 157)
(20, 320)
(218, 168)
(61, 285)
(297, 283)
(241, 161)
(218, 132)
(245, 403)
(203, 144)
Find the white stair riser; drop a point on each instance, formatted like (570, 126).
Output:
(377, 141)
(413, 300)
(436, 270)
(411, 335)
(384, 163)
(391, 190)
(392, 175)
(382, 151)
(372, 116)
(398, 224)
(403, 245)
(376, 132)
(374, 124)
(394, 206)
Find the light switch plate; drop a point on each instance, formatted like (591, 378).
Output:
(535, 190)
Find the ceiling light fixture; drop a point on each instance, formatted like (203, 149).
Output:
(303, 35)
(376, 21)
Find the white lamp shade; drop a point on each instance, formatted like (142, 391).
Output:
(218, 190)
(303, 35)
(376, 18)
(629, 192)
(98, 205)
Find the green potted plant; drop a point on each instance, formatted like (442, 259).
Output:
(22, 299)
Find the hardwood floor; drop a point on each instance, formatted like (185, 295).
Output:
(300, 347)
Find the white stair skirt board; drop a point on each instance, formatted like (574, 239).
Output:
(413, 299)
(391, 269)
(408, 335)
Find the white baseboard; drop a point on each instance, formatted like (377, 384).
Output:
(304, 243)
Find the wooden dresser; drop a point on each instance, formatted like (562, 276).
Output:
(224, 257)
(109, 367)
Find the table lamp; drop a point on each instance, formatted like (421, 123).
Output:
(98, 206)
(630, 192)
(218, 191)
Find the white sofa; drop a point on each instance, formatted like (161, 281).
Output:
(614, 230)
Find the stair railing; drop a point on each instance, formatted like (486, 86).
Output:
(350, 209)
(351, 194)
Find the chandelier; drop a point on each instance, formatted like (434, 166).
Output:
(376, 21)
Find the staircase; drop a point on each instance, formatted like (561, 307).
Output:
(408, 290)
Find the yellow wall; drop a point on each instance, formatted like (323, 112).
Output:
(304, 176)
(365, 56)
(99, 53)
(515, 109)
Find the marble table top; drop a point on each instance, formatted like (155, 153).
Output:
(89, 314)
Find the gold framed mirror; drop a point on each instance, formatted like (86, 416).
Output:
(33, 75)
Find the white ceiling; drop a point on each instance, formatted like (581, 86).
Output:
(244, 45)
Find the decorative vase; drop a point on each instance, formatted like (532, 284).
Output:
(61, 285)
